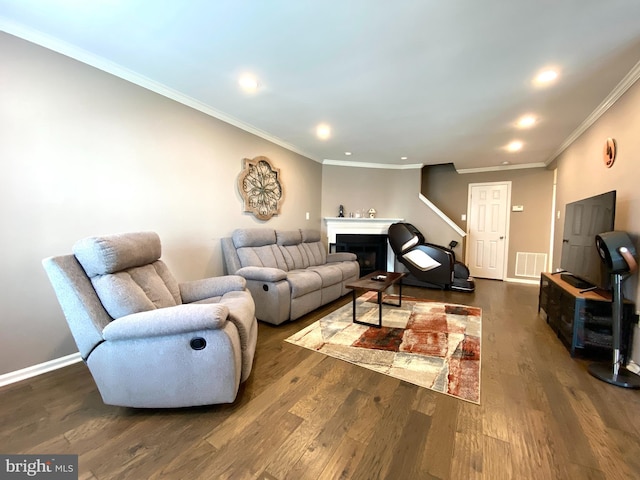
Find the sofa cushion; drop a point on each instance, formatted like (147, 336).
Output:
(265, 256)
(303, 282)
(288, 237)
(313, 248)
(349, 269)
(295, 257)
(315, 253)
(253, 237)
(330, 274)
(310, 235)
(134, 290)
(126, 272)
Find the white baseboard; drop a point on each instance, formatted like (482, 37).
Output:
(522, 280)
(35, 370)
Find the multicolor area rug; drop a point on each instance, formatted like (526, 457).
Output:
(430, 344)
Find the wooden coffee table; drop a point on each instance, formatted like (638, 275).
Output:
(368, 283)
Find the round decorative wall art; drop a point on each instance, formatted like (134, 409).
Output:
(260, 187)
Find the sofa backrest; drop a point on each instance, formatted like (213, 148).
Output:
(256, 247)
(284, 249)
(127, 273)
(315, 249)
(81, 306)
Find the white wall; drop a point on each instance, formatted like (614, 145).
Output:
(85, 153)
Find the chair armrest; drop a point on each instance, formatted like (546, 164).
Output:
(442, 254)
(262, 274)
(196, 290)
(341, 257)
(167, 321)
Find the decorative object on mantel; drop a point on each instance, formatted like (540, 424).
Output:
(260, 187)
(341, 212)
(609, 152)
(372, 212)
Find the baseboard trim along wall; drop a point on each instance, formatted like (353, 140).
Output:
(35, 370)
(522, 280)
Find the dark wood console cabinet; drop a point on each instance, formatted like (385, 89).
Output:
(582, 320)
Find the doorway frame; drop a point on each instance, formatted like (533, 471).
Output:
(505, 263)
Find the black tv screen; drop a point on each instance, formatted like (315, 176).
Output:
(583, 220)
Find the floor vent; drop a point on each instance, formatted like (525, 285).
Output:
(530, 264)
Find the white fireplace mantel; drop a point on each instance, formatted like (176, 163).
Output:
(355, 226)
(361, 226)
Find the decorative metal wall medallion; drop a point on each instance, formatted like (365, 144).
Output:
(259, 185)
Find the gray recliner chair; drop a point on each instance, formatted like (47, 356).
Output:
(148, 341)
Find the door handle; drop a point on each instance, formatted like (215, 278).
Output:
(501, 238)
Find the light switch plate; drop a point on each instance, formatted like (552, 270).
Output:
(517, 208)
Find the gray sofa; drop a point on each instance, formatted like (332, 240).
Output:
(289, 273)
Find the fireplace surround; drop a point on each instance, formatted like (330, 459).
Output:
(362, 227)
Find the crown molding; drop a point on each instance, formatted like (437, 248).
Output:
(619, 90)
(119, 71)
(501, 168)
(386, 166)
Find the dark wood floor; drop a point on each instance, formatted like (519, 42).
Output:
(305, 415)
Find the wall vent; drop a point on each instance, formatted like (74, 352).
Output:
(530, 264)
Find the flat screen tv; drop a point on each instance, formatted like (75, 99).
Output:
(583, 220)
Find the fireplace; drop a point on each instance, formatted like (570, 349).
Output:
(371, 250)
(361, 226)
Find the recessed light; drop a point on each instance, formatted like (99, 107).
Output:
(506, 162)
(248, 82)
(526, 121)
(347, 153)
(545, 77)
(323, 131)
(403, 158)
(515, 146)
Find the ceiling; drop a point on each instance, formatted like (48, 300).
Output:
(433, 81)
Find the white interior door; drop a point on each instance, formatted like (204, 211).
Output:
(488, 218)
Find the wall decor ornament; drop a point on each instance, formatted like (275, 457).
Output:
(260, 187)
(609, 152)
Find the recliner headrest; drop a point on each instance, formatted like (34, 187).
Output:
(310, 235)
(403, 237)
(253, 237)
(117, 252)
(288, 237)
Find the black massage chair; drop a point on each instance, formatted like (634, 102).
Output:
(429, 265)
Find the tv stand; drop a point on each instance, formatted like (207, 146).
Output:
(583, 320)
(576, 282)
